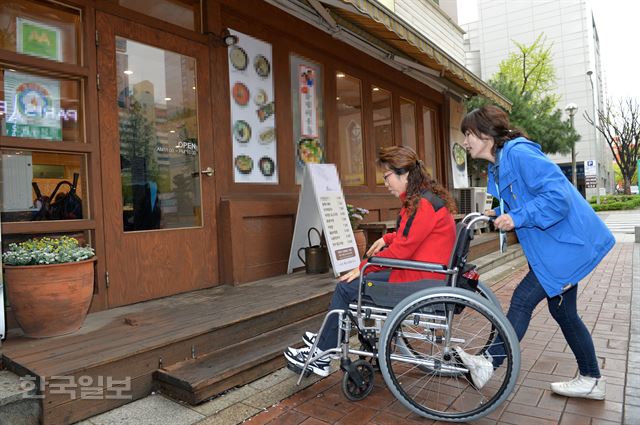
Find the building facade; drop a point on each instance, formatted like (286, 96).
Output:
(569, 28)
(188, 125)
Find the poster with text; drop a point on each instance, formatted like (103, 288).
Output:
(32, 106)
(306, 105)
(253, 130)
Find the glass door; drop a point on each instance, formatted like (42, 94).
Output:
(155, 135)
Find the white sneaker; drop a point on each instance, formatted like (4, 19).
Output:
(298, 357)
(581, 386)
(480, 367)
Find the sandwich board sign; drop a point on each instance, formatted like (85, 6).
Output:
(322, 205)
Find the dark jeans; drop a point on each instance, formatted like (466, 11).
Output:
(345, 294)
(525, 298)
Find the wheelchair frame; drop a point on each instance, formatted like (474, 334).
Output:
(428, 314)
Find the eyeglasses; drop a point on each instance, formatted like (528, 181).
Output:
(386, 175)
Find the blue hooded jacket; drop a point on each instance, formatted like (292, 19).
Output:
(560, 234)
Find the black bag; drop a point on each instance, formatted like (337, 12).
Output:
(65, 206)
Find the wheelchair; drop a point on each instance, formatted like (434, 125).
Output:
(409, 331)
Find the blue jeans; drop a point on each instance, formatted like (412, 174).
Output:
(525, 298)
(345, 294)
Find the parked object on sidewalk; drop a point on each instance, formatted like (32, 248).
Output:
(561, 236)
(414, 342)
(316, 258)
(49, 285)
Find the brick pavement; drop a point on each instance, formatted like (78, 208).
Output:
(604, 302)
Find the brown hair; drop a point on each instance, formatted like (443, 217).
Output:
(403, 159)
(493, 122)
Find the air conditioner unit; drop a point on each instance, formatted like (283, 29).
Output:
(471, 199)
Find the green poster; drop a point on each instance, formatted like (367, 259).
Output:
(38, 39)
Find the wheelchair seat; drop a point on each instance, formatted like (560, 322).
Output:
(387, 295)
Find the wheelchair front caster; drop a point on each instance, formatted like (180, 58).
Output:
(357, 381)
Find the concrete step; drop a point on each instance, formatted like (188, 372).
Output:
(18, 406)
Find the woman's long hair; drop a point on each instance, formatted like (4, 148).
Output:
(491, 121)
(403, 159)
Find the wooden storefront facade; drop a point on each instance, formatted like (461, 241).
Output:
(232, 232)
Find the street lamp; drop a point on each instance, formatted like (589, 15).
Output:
(595, 134)
(571, 109)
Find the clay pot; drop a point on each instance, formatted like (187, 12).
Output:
(52, 299)
(361, 241)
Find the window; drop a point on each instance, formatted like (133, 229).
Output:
(39, 107)
(184, 13)
(349, 106)
(39, 186)
(159, 149)
(429, 140)
(382, 123)
(408, 122)
(41, 29)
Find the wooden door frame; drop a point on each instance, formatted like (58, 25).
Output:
(109, 26)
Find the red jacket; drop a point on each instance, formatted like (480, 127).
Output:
(430, 238)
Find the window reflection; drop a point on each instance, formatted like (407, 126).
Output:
(159, 151)
(429, 140)
(408, 122)
(382, 123)
(349, 105)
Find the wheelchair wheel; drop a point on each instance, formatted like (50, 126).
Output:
(432, 381)
(403, 343)
(353, 389)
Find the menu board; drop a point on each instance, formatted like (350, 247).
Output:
(253, 131)
(322, 203)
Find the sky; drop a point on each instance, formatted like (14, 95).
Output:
(617, 24)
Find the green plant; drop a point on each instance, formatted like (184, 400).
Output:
(46, 251)
(356, 215)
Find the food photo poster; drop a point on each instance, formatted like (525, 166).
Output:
(252, 102)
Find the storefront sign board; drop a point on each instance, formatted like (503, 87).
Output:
(322, 205)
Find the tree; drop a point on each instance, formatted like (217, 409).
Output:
(526, 79)
(620, 127)
(531, 70)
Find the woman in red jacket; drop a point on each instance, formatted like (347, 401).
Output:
(425, 232)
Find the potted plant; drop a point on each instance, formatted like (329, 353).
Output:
(356, 215)
(49, 284)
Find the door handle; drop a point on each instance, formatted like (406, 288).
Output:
(208, 171)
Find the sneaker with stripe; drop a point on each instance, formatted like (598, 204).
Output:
(298, 357)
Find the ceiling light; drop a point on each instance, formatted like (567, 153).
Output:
(376, 89)
(340, 75)
(128, 71)
(172, 131)
(167, 99)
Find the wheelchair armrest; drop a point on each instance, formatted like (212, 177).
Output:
(407, 264)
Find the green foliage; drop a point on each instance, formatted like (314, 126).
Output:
(615, 202)
(46, 251)
(531, 70)
(619, 178)
(525, 79)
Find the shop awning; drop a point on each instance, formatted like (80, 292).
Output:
(386, 27)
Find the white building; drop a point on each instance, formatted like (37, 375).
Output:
(570, 30)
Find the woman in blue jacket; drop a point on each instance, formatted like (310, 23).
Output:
(561, 236)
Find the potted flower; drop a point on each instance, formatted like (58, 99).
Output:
(356, 215)
(49, 283)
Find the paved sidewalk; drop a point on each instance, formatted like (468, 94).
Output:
(604, 303)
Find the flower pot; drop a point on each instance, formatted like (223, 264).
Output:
(50, 299)
(361, 241)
